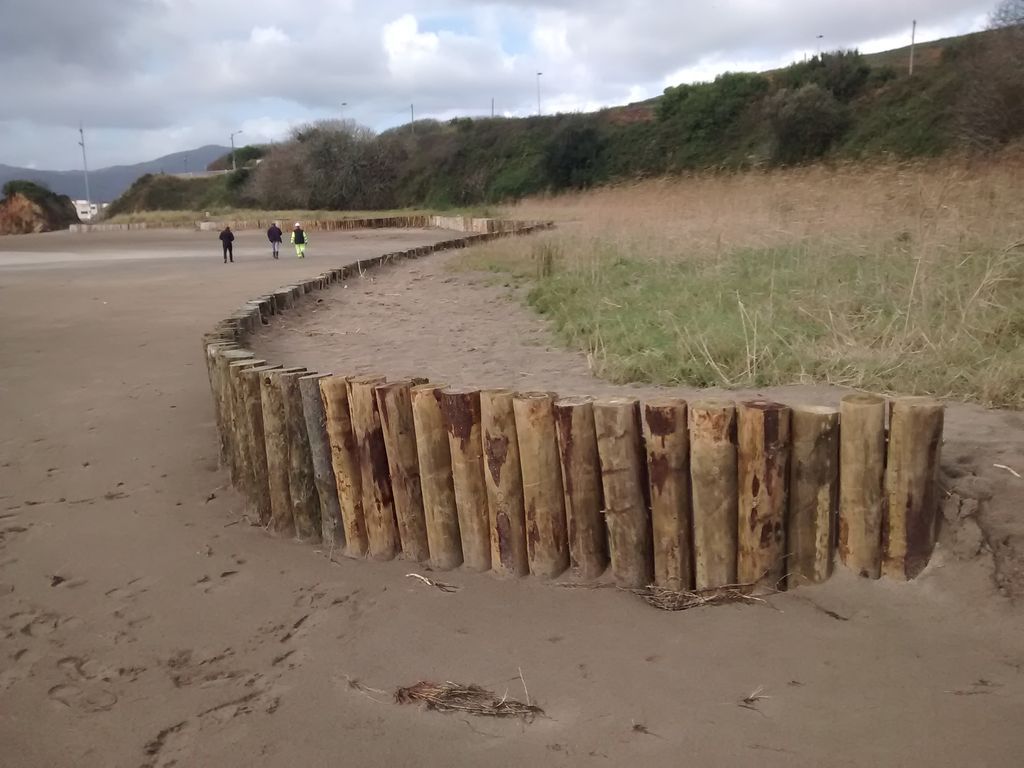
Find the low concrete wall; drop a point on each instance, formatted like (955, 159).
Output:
(701, 496)
(453, 223)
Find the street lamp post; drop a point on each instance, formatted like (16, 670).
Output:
(820, 38)
(538, 93)
(234, 167)
(343, 105)
(85, 171)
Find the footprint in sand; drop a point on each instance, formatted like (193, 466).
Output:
(88, 700)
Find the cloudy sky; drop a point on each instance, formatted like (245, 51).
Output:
(148, 77)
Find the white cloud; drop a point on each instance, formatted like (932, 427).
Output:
(165, 75)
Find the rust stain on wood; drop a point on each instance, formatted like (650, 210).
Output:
(496, 449)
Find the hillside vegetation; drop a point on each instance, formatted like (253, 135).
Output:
(966, 93)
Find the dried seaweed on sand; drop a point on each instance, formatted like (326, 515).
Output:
(471, 699)
(673, 600)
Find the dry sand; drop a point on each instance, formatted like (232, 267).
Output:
(141, 624)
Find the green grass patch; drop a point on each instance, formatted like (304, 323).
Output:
(890, 318)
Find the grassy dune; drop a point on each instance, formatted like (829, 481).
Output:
(897, 277)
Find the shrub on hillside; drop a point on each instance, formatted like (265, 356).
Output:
(842, 73)
(572, 158)
(805, 122)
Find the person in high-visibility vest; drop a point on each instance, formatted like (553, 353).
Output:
(299, 240)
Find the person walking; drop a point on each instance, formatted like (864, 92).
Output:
(274, 236)
(227, 237)
(300, 240)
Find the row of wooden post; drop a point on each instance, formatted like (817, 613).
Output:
(684, 495)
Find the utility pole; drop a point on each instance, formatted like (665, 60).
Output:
(538, 93)
(234, 167)
(913, 40)
(492, 106)
(85, 170)
(412, 119)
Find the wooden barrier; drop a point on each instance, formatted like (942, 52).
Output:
(394, 402)
(696, 496)
(378, 501)
(581, 485)
(620, 451)
(861, 483)
(504, 482)
(813, 494)
(547, 540)
(668, 470)
(713, 484)
(461, 409)
(763, 480)
(345, 462)
(440, 510)
(915, 441)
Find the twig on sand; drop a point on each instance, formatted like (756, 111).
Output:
(436, 584)
(525, 689)
(1013, 472)
(355, 685)
(750, 701)
(471, 699)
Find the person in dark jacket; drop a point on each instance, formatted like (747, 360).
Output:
(274, 235)
(227, 237)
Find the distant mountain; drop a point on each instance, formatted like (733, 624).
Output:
(107, 184)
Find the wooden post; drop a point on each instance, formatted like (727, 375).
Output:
(394, 402)
(253, 408)
(504, 481)
(713, 489)
(763, 479)
(378, 498)
(243, 455)
(813, 494)
(461, 408)
(277, 444)
(439, 508)
(668, 471)
(301, 481)
(345, 461)
(581, 486)
(861, 481)
(212, 351)
(331, 530)
(547, 540)
(223, 359)
(915, 441)
(617, 421)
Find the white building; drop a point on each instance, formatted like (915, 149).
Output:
(88, 211)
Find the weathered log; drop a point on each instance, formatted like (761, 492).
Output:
(504, 480)
(277, 445)
(861, 483)
(432, 449)
(813, 494)
(253, 401)
(301, 481)
(345, 461)
(910, 523)
(394, 402)
(240, 420)
(619, 445)
(461, 408)
(547, 539)
(331, 531)
(713, 492)
(581, 487)
(763, 480)
(222, 360)
(378, 499)
(668, 471)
